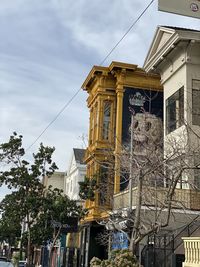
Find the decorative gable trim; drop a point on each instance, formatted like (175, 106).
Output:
(161, 36)
(165, 39)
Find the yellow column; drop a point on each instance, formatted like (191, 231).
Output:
(118, 137)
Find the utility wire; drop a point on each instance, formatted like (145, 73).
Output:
(55, 118)
(77, 92)
(126, 33)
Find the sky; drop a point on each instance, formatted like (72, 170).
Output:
(47, 48)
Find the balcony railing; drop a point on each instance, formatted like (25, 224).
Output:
(192, 251)
(183, 198)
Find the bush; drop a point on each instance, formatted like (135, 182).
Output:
(95, 262)
(119, 258)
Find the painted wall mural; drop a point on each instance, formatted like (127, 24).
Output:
(147, 107)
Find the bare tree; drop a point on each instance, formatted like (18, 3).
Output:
(163, 176)
(163, 173)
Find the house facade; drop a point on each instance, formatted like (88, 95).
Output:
(75, 174)
(114, 93)
(164, 100)
(175, 55)
(56, 180)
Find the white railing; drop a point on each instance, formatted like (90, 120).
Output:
(192, 251)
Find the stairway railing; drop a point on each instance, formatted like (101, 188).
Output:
(187, 231)
(173, 243)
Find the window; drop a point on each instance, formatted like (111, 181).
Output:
(106, 119)
(196, 102)
(197, 178)
(95, 122)
(91, 126)
(71, 186)
(197, 171)
(103, 184)
(175, 111)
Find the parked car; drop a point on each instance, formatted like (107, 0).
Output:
(3, 259)
(4, 262)
(22, 264)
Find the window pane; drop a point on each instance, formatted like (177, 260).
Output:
(103, 184)
(196, 84)
(196, 102)
(181, 106)
(106, 120)
(197, 172)
(175, 110)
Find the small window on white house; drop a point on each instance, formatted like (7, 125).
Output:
(196, 102)
(71, 186)
(175, 111)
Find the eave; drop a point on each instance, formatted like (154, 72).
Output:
(120, 65)
(151, 62)
(158, 56)
(91, 76)
(100, 70)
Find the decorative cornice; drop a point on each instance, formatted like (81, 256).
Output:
(120, 65)
(114, 66)
(92, 74)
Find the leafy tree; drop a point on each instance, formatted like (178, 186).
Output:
(30, 202)
(87, 188)
(10, 230)
(25, 178)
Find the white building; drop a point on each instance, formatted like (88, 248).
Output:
(55, 181)
(75, 174)
(175, 55)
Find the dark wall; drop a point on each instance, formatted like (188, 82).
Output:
(96, 249)
(140, 101)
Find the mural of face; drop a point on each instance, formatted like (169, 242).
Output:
(147, 130)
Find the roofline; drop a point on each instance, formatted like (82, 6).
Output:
(158, 56)
(179, 35)
(90, 77)
(122, 65)
(154, 39)
(111, 67)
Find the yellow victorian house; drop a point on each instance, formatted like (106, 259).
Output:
(112, 92)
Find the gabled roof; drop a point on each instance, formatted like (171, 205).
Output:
(165, 39)
(79, 155)
(181, 28)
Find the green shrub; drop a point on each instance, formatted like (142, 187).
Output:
(119, 258)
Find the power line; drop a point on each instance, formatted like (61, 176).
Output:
(129, 29)
(77, 92)
(55, 118)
